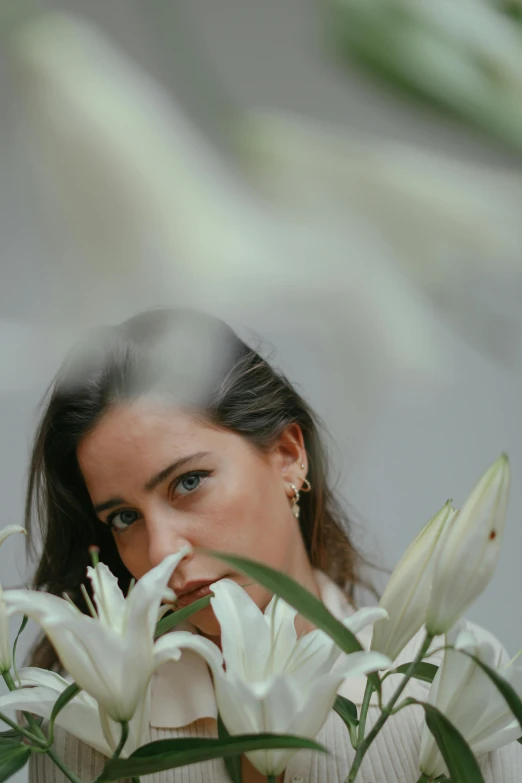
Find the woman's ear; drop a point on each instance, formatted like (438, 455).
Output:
(290, 455)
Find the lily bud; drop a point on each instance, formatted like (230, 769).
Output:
(407, 594)
(469, 549)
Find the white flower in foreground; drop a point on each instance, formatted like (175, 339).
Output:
(5, 644)
(275, 682)
(407, 594)
(469, 699)
(38, 694)
(468, 553)
(111, 655)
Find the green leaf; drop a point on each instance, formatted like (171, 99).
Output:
(423, 671)
(506, 690)
(13, 756)
(25, 620)
(460, 761)
(63, 699)
(519, 740)
(232, 763)
(171, 620)
(347, 711)
(168, 754)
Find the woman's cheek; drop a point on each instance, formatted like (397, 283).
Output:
(133, 550)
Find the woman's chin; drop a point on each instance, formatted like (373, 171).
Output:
(206, 623)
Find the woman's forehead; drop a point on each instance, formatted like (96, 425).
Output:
(140, 437)
(140, 430)
(142, 418)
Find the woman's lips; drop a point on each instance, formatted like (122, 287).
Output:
(194, 595)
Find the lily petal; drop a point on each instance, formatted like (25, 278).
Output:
(108, 597)
(368, 615)
(280, 618)
(245, 635)
(7, 531)
(79, 717)
(359, 663)
(40, 607)
(171, 646)
(147, 594)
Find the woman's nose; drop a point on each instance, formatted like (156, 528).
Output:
(165, 539)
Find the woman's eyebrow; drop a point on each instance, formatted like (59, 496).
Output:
(108, 504)
(153, 482)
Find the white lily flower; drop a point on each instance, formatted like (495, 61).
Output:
(38, 694)
(111, 655)
(407, 594)
(469, 549)
(5, 643)
(275, 682)
(469, 699)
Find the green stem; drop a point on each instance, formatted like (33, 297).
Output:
(386, 712)
(37, 736)
(123, 739)
(424, 778)
(22, 731)
(9, 681)
(59, 763)
(271, 779)
(364, 711)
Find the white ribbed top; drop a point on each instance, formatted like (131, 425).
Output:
(393, 758)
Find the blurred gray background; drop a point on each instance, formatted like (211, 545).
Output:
(419, 446)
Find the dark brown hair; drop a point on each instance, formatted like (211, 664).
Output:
(199, 361)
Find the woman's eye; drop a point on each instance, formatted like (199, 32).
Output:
(188, 483)
(121, 520)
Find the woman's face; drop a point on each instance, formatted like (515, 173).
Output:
(161, 479)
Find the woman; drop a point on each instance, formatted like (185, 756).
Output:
(168, 430)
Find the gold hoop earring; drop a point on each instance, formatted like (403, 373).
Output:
(296, 510)
(306, 487)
